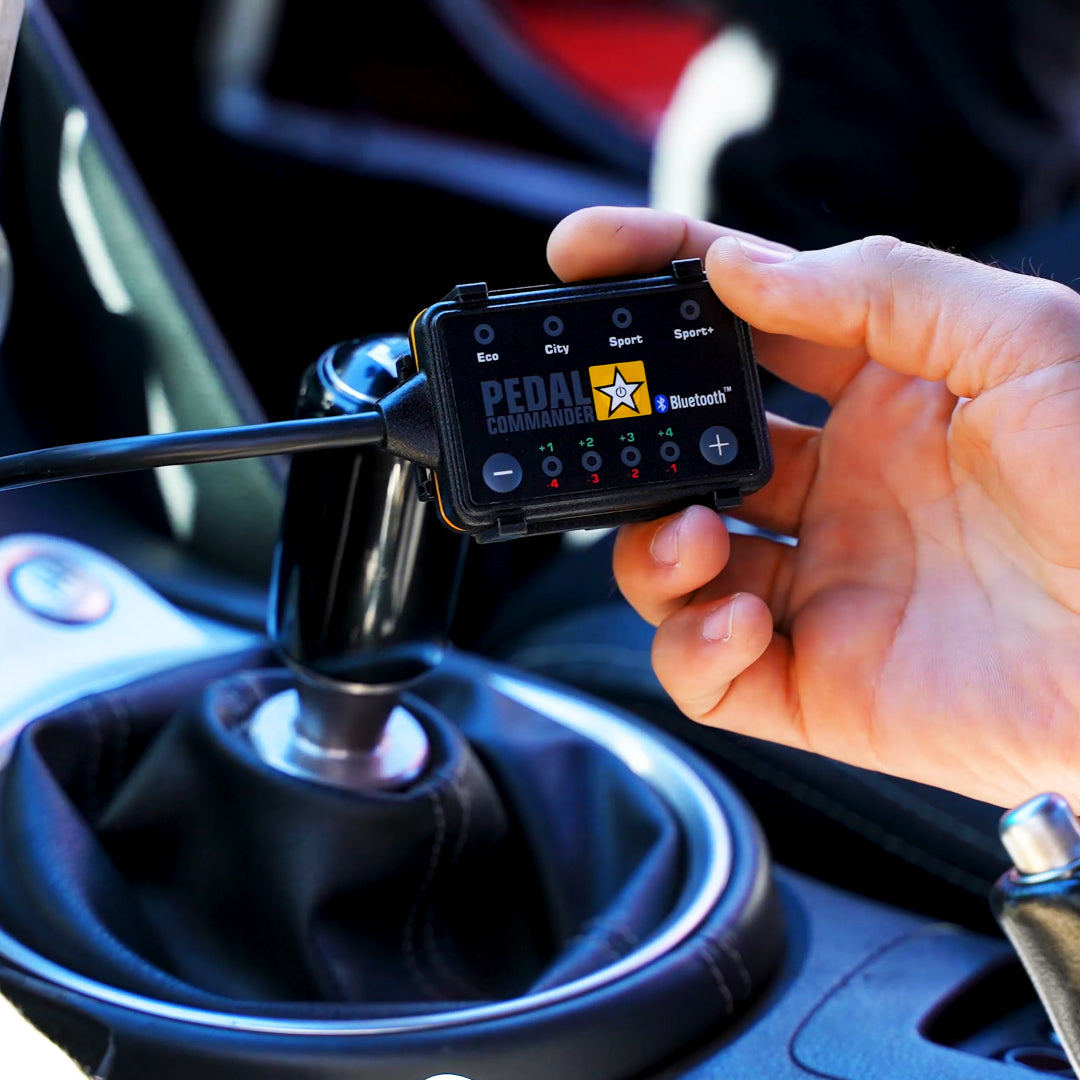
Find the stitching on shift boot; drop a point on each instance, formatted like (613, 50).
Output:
(617, 941)
(740, 965)
(407, 945)
(431, 946)
(718, 975)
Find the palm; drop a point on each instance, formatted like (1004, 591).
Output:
(928, 622)
(919, 607)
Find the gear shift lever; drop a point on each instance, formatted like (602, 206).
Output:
(364, 590)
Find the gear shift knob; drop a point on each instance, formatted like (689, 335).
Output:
(364, 587)
(365, 577)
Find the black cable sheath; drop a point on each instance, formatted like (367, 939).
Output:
(188, 448)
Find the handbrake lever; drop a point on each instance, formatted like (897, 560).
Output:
(1037, 904)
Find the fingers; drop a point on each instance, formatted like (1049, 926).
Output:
(755, 565)
(715, 651)
(605, 241)
(917, 311)
(818, 369)
(723, 665)
(660, 564)
(701, 649)
(779, 505)
(710, 565)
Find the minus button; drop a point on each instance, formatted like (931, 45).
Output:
(502, 473)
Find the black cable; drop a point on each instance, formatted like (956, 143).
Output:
(189, 447)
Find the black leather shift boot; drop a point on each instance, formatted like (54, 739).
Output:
(178, 866)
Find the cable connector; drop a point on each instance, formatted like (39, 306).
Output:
(410, 422)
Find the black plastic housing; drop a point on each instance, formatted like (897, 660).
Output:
(365, 580)
(552, 379)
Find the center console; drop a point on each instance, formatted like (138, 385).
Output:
(845, 987)
(353, 851)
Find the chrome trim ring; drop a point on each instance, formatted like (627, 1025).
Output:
(330, 374)
(709, 862)
(274, 732)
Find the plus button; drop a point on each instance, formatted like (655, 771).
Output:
(718, 445)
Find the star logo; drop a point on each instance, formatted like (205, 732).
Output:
(621, 393)
(620, 390)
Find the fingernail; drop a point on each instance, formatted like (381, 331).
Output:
(719, 624)
(665, 542)
(756, 253)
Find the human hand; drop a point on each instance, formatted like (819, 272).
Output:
(927, 624)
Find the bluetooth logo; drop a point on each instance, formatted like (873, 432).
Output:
(661, 403)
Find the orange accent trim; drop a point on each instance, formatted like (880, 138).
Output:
(412, 336)
(438, 492)
(442, 512)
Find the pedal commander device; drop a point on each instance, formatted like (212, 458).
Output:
(529, 410)
(579, 406)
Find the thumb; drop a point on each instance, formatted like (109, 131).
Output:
(913, 309)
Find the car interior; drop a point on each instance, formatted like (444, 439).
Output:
(296, 782)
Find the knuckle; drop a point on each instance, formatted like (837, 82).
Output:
(1044, 329)
(668, 670)
(696, 709)
(698, 713)
(878, 249)
(880, 257)
(1059, 303)
(694, 700)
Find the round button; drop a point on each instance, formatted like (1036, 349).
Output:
(718, 445)
(60, 590)
(621, 318)
(670, 451)
(690, 310)
(502, 473)
(553, 326)
(551, 465)
(484, 334)
(591, 461)
(631, 456)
